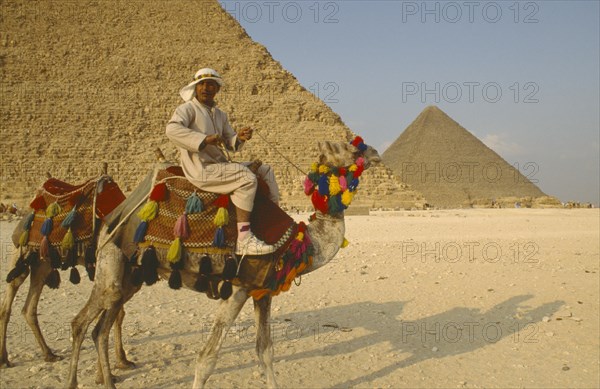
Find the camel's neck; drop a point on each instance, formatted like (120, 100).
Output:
(327, 234)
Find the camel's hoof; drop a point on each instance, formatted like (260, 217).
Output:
(4, 363)
(125, 365)
(51, 357)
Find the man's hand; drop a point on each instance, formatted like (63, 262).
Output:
(215, 140)
(245, 134)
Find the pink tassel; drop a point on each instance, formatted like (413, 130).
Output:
(343, 183)
(44, 247)
(182, 228)
(308, 186)
(360, 161)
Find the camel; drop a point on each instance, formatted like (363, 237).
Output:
(40, 272)
(112, 288)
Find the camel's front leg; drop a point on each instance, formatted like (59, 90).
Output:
(6, 308)
(37, 280)
(207, 359)
(264, 342)
(121, 356)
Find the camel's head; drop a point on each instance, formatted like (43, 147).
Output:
(345, 154)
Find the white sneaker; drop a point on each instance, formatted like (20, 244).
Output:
(251, 245)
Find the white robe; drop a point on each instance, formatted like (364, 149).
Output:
(208, 169)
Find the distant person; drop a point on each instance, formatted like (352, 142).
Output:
(204, 137)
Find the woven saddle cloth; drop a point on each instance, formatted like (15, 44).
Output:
(268, 222)
(103, 193)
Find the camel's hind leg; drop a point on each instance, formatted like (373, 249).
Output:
(207, 359)
(37, 280)
(5, 309)
(121, 356)
(264, 342)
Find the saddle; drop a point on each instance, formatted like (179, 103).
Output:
(206, 231)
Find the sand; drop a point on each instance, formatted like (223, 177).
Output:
(428, 299)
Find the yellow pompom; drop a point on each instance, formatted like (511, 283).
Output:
(68, 240)
(24, 238)
(314, 167)
(323, 169)
(300, 236)
(222, 217)
(353, 167)
(345, 243)
(334, 185)
(149, 211)
(53, 210)
(347, 197)
(174, 252)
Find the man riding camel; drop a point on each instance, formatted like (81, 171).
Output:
(204, 137)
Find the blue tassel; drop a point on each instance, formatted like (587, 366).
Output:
(29, 221)
(47, 227)
(219, 240)
(69, 219)
(353, 184)
(140, 232)
(194, 204)
(323, 185)
(362, 147)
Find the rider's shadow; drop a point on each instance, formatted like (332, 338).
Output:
(456, 331)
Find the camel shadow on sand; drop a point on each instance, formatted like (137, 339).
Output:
(457, 331)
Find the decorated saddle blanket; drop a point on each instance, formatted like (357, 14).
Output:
(63, 214)
(204, 222)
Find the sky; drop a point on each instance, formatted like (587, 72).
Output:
(522, 76)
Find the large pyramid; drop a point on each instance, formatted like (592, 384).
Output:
(91, 81)
(452, 168)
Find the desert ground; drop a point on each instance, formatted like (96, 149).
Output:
(426, 299)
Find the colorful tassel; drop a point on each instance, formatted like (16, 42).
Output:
(69, 219)
(74, 277)
(53, 210)
(194, 204)
(38, 203)
(353, 185)
(182, 228)
(343, 183)
(314, 177)
(334, 185)
(174, 253)
(24, 238)
(319, 202)
(44, 247)
(359, 171)
(175, 280)
(222, 217)
(342, 171)
(356, 141)
(360, 161)
(347, 197)
(219, 239)
(140, 232)
(159, 192)
(314, 167)
(29, 221)
(149, 211)
(308, 186)
(345, 243)
(323, 169)
(68, 240)
(323, 185)
(47, 227)
(334, 204)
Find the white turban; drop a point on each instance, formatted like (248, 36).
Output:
(189, 91)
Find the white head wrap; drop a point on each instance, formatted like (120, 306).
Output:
(189, 91)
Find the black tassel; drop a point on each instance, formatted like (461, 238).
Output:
(53, 279)
(205, 265)
(33, 258)
(91, 271)
(137, 276)
(175, 280)
(150, 266)
(55, 261)
(90, 254)
(74, 277)
(133, 259)
(70, 259)
(225, 290)
(201, 284)
(20, 268)
(230, 268)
